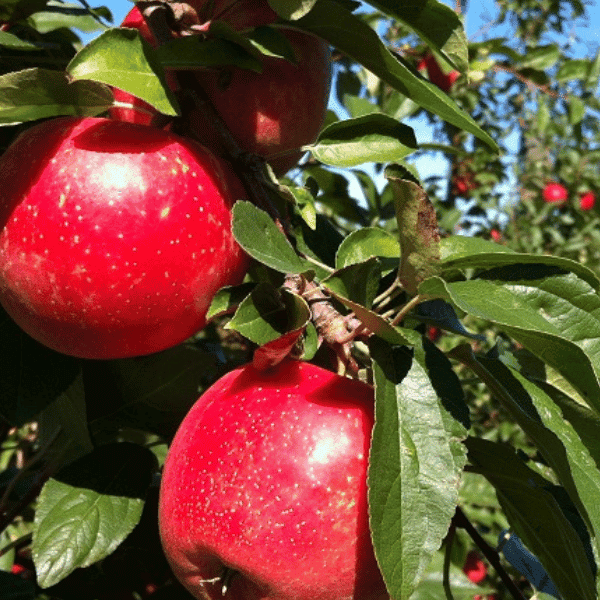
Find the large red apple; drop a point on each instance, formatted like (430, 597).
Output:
(555, 193)
(114, 236)
(266, 477)
(273, 113)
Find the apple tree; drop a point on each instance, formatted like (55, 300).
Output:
(248, 352)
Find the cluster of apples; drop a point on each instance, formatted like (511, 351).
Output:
(115, 236)
(115, 233)
(556, 193)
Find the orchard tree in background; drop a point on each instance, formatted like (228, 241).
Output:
(361, 402)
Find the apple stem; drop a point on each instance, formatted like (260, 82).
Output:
(225, 579)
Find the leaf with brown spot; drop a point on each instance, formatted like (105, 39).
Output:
(418, 232)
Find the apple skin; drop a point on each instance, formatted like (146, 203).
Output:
(587, 201)
(267, 475)
(555, 193)
(114, 237)
(273, 112)
(269, 113)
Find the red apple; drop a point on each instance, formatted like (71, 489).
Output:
(267, 476)
(474, 568)
(495, 235)
(273, 112)
(434, 333)
(555, 193)
(114, 236)
(270, 113)
(587, 201)
(444, 81)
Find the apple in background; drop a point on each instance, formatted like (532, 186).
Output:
(273, 112)
(496, 235)
(114, 236)
(555, 193)
(267, 476)
(444, 81)
(270, 113)
(587, 201)
(474, 568)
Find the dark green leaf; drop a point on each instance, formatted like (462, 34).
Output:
(357, 282)
(555, 316)
(33, 376)
(13, 587)
(89, 508)
(538, 519)
(228, 298)
(8, 40)
(39, 93)
(16, 10)
(260, 237)
(462, 252)
(267, 313)
(192, 52)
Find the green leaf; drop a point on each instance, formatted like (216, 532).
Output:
(271, 42)
(364, 243)
(228, 298)
(40, 93)
(462, 252)
(89, 508)
(436, 24)
(337, 25)
(357, 282)
(371, 138)
(557, 439)
(306, 205)
(292, 9)
(540, 58)
(536, 516)
(577, 110)
(415, 465)
(419, 233)
(573, 69)
(68, 15)
(8, 40)
(555, 316)
(268, 313)
(192, 52)
(260, 237)
(123, 59)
